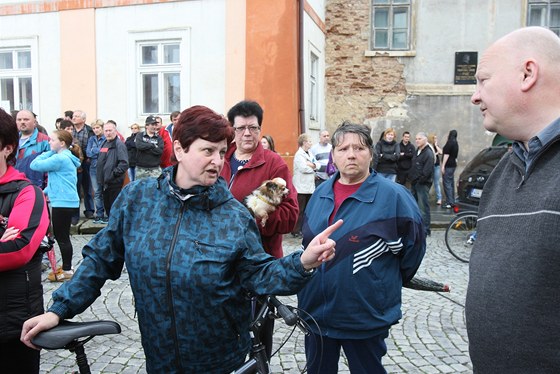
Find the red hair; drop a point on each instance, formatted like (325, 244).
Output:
(201, 122)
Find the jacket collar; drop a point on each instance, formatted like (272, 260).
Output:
(366, 193)
(197, 197)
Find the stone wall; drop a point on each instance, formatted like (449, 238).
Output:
(358, 88)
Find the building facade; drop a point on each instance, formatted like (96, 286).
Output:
(127, 59)
(408, 64)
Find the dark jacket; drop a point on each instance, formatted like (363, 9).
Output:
(112, 163)
(131, 149)
(21, 293)
(422, 170)
(387, 154)
(191, 255)
(357, 295)
(148, 150)
(405, 160)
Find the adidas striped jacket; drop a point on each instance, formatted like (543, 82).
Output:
(381, 244)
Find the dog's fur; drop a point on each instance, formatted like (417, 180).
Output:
(264, 200)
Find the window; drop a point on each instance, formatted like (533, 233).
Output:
(544, 13)
(15, 79)
(314, 87)
(159, 67)
(390, 25)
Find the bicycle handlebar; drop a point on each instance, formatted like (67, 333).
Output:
(286, 313)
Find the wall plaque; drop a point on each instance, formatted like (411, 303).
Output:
(465, 67)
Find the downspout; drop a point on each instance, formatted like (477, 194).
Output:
(301, 81)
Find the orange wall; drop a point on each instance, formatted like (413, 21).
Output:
(271, 69)
(78, 86)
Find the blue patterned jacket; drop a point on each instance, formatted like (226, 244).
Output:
(380, 246)
(190, 255)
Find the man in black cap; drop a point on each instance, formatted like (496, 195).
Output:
(149, 147)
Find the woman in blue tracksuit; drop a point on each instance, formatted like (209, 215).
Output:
(356, 298)
(61, 164)
(191, 251)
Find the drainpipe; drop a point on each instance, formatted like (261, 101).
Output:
(301, 82)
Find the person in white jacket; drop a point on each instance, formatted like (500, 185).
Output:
(304, 177)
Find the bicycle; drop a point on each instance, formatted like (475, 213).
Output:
(460, 235)
(74, 335)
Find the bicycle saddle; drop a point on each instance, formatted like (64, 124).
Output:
(66, 332)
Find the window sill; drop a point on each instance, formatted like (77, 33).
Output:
(390, 53)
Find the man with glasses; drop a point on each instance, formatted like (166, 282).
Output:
(247, 166)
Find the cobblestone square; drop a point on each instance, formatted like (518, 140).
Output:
(430, 338)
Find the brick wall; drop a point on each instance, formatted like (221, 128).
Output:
(358, 88)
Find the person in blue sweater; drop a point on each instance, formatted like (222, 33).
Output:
(192, 251)
(61, 163)
(356, 298)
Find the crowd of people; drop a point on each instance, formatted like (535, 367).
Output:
(370, 200)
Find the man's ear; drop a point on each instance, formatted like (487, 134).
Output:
(530, 74)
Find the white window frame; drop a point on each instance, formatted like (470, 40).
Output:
(137, 39)
(16, 45)
(313, 86)
(391, 6)
(546, 6)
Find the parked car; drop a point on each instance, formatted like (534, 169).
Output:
(474, 176)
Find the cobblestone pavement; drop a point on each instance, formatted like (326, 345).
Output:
(430, 338)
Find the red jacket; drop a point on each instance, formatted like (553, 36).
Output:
(29, 214)
(167, 148)
(265, 165)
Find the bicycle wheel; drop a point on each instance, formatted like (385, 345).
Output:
(460, 236)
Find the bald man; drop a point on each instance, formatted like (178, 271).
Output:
(32, 143)
(513, 297)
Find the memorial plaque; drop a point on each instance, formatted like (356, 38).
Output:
(465, 67)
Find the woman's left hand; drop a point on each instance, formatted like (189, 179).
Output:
(321, 248)
(11, 233)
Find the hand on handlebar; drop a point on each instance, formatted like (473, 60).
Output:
(35, 325)
(321, 248)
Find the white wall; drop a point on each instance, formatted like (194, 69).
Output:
(41, 31)
(314, 41)
(201, 24)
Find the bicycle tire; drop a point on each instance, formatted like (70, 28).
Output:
(458, 233)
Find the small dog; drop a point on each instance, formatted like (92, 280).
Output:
(266, 198)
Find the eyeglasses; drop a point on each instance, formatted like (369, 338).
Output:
(242, 129)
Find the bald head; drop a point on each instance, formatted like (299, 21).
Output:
(26, 122)
(518, 79)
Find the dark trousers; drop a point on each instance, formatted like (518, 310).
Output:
(61, 219)
(302, 199)
(449, 185)
(110, 194)
(85, 190)
(402, 175)
(364, 355)
(16, 357)
(421, 194)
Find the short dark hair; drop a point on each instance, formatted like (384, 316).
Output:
(65, 124)
(347, 127)
(405, 133)
(245, 108)
(113, 122)
(201, 122)
(8, 134)
(68, 113)
(174, 114)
